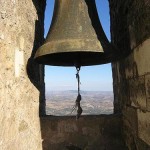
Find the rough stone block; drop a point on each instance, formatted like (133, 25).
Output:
(147, 86)
(130, 120)
(148, 104)
(130, 67)
(144, 126)
(137, 92)
(142, 59)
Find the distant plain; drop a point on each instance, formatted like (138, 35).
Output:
(60, 103)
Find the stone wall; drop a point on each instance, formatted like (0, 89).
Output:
(21, 79)
(130, 31)
(88, 133)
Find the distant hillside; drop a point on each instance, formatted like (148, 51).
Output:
(60, 103)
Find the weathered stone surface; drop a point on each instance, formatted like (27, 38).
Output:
(130, 119)
(147, 86)
(137, 92)
(130, 29)
(19, 103)
(144, 126)
(130, 67)
(87, 133)
(141, 57)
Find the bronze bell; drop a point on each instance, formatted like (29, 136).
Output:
(76, 37)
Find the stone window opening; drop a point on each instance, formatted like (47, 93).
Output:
(61, 90)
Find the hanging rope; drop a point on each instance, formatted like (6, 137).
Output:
(79, 109)
(78, 79)
(77, 102)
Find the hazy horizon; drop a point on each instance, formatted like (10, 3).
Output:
(80, 90)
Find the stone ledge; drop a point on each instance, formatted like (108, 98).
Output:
(89, 132)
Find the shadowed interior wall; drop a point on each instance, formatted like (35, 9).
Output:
(21, 79)
(130, 32)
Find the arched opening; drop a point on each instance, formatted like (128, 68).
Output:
(96, 81)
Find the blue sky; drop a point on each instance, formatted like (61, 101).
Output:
(93, 78)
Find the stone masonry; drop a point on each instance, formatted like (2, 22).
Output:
(20, 79)
(130, 30)
(102, 132)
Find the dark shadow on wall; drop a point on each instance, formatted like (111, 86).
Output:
(34, 70)
(120, 37)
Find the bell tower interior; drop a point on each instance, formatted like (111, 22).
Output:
(125, 36)
(24, 124)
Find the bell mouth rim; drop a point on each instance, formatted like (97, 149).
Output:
(65, 52)
(70, 59)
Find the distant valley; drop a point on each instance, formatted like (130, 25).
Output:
(60, 103)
